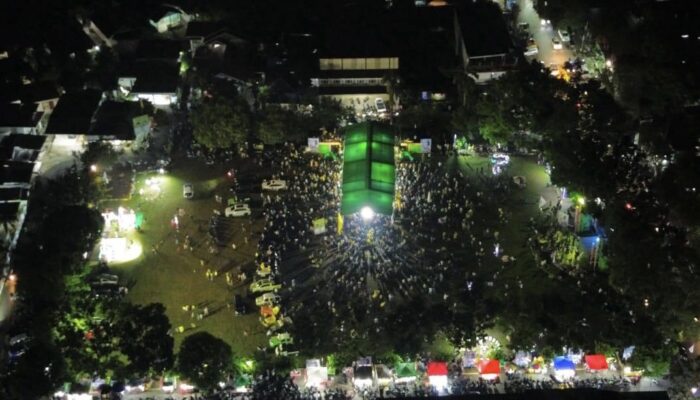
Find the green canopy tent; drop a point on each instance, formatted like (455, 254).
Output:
(242, 381)
(405, 372)
(368, 169)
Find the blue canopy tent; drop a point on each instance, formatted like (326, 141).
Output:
(564, 368)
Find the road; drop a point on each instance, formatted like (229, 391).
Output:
(543, 36)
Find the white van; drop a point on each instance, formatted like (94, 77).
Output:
(564, 36)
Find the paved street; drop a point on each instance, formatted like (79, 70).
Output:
(543, 36)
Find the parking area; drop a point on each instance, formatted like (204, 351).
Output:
(194, 258)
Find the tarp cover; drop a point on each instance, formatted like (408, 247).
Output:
(437, 368)
(489, 367)
(596, 362)
(563, 363)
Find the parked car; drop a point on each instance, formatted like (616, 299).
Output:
(532, 49)
(135, 386)
(564, 36)
(267, 299)
(281, 339)
(556, 44)
(187, 191)
(168, 386)
(379, 103)
(274, 184)
(264, 285)
(263, 270)
(238, 210)
(18, 339)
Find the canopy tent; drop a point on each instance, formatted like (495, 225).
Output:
(596, 362)
(384, 375)
(316, 375)
(437, 368)
(564, 368)
(242, 382)
(522, 359)
(405, 372)
(363, 376)
(489, 369)
(437, 374)
(468, 359)
(368, 169)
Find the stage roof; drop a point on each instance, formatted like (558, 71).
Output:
(368, 169)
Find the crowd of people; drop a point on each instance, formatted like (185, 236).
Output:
(358, 276)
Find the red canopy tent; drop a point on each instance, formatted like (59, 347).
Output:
(596, 362)
(437, 368)
(489, 367)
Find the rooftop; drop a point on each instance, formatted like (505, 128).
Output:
(17, 116)
(73, 113)
(153, 76)
(115, 119)
(483, 28)
(161, 49)
(34, 142)
(10, 194)
(16, 172)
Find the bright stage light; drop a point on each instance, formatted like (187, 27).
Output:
(367, 213)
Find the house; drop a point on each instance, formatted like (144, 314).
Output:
(199, 31)
(160, 49)
(154, 80)
(173, 19)
(72, 118)
(120, 122)
(43, 94)
(17, 172)
(16, 118)
(25, 148)
(482, 41)
(352, 67)
(99, 35)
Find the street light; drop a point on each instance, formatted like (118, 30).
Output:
(93, 168)
(367, 213)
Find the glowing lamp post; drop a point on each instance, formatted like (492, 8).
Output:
(367, 213)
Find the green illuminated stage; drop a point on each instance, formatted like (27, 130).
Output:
(368, 169)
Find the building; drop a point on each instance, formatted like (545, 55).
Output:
(16, 118)
(120, 123)
(19, 155)
(357, 53)
(156, 81)
(482, 41)
(70, 121)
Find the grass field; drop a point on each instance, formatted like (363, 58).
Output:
(169, 274)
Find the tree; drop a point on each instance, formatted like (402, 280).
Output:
(221, 123)
(69, 232)
(685, 375)
(100, 154)
(204, 359)
(279, 125)
(144, 338)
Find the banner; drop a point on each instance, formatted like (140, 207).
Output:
(319, 226)
(312, 143)
(426, 145)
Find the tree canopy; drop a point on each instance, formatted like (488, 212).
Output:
(221, 123)
(204, 359)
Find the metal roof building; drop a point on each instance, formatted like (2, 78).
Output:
(368, 169)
